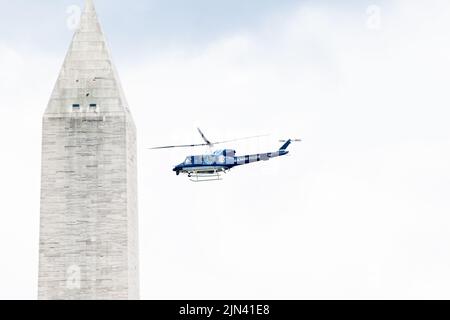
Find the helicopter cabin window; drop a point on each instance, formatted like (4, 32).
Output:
(220, 159)
(188, 160)
(208, 159)
(75, 107)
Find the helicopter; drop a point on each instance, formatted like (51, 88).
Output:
(210, 167)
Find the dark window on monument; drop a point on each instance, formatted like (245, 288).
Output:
(75, 107)
(92, 107)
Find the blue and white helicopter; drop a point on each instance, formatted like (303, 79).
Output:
(209, 167)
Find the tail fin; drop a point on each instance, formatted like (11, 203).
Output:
(286, 145)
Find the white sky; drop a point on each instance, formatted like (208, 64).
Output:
(359, 210)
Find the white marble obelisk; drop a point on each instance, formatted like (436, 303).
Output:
(89, 218)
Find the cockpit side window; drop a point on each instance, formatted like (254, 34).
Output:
(188, 160)
(198, 160)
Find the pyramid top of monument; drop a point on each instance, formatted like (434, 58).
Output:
(88, 81)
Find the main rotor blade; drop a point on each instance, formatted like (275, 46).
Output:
(179, 146)
(240, 139)
(208, 143)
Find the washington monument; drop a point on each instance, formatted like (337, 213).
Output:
(89, 219)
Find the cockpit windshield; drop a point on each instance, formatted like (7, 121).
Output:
(188, 160)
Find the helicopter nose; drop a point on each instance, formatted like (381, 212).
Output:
(177, 169)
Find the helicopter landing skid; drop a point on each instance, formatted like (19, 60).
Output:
(199, 176)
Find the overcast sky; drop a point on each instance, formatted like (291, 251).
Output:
(360, 209)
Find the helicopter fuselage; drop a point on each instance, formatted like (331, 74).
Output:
(223, 161)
